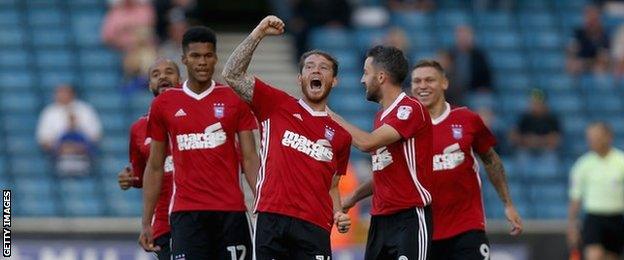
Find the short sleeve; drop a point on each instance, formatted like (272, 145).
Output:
(266, 99)
(137, 160)
(483, 139)
(247, 120)
(343, 157)
(408, 119)
(155, 122)
(576, 180)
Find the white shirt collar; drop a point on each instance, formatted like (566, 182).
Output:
(444, 115)
(391, 107)
(194, 95)
(310, 110)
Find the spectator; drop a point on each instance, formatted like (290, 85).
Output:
(597, 185)
(309, 14)
(123, 20)
(617, 51)
(496, 127)
(73, 152)
(167, 11)
(589, 41)
(172, 47)
(138, 59)
(469, 65)
(54, 121)
(538, 129)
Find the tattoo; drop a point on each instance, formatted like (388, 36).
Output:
(235, 70)
(496, 174)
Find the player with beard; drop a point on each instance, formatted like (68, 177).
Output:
(400, 147)
(459, 134)
(163, 75)
(304, 153)
(201, 122)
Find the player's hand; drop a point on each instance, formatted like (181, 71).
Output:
(514, 219)
(342, 221)
(270, 25)
(347, 204)
(146, 240)
(126, 178)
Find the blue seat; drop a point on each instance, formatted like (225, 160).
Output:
(452, 18)
(560, 82)
(52, 38)
(83, 24)
(11, 37)
(547, 61)
(23, 145)
(543, 39)
(494, 20)
(99, 58)
(19, 102)
(574, 124)
(15, 58)
(83, 206)
(570, 4)
(36, 206)
(507, 61)
(9, 17)
(110, 165)
(513, 81)
(50, 79)
(32, 4)
(604, 102)
(93, 4)
(536, 19)
(114, 123)
(570, 19)
(30, 166)
(46, 17)
(538, 5)
(350, 81)
(115, 144)
(78, 187)
(140, 102)
(365, 38)
(422, 40)
(54, 59)
(563, 102)
(40, 187)
(411, 21)
(126, 203)
(4, 171)
(102, 80)
(16, 79)
(513, 101)
(20, 123)
(592, 83)
(348, 60)
(499, 40)
(556, 210)
(110, 100)
(330, 38)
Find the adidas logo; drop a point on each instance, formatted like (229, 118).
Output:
(298, 116)
(180, 113)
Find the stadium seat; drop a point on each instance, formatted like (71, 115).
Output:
(54, 59)
(592, 83)
(494, 21)
(604, 103)
(19, 102)
(83, 206)
(50, 79)
(10, 17)
(83, 24)
(78, 187)
(326, 38)
(141, 101)
(449, 19)
(110, 165)
(101, 80)
(22, 145)
(366, 38)
(543, 39)
(499, 40)
(11, 37)
(507, 61)
(558, 82)
(30, 166)
(36, 207)
(422, 40)
(513, 81)
(114, 144)
(14, 58)
(562, 102)
(106, 100)
(36, 187)
(99, 58)
(46, 18)
(125, 203)
(513, 101)
(52, 38)
(536, 20)
(19, 123)
(16, 79)
(547, 61)
(348, 59)
(411, 21)
(533, 5)
(81, 4)
(350, 80)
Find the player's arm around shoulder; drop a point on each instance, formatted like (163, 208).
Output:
(235, 70)
(364, 141)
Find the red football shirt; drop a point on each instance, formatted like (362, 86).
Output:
(201, 131)
(139, 152)
(402, 170)
(458, 206)
(301, 151)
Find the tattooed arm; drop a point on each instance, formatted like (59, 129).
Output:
(496, 175)
(235, 71)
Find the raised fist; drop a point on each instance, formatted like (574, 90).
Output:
(270, 25)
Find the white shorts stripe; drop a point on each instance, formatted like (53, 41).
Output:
(423, 238)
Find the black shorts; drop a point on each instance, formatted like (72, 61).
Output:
(403, 235)
(607, 231)
(210, 235)
(164, 242)
(283, 238)
(470, 245)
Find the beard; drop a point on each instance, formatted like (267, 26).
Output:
(372, 92)
(315, 98)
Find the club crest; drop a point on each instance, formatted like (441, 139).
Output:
(458, 131)
(219, 110)
(329, 133)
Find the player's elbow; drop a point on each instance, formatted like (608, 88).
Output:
(229, 76)
(366, 146)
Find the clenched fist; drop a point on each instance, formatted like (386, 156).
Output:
(270, 25)
(342, 222)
